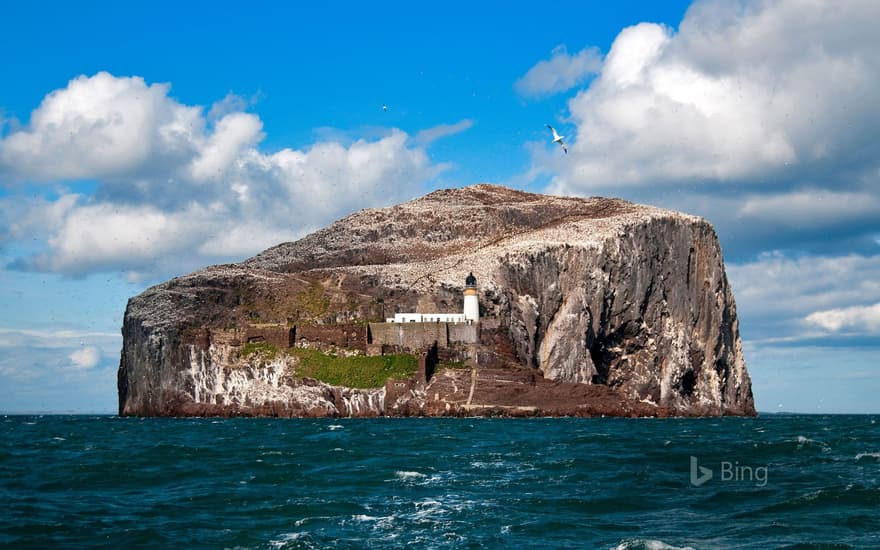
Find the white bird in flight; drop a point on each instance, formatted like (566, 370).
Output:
(558, 139)
(384, 107)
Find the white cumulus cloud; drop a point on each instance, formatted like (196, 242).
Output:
(857, 319)
(85, 358)
(795, 206)
(744, 91)
(100, 126)
(759, 116)
(776, 292)
(179, 188)
(559, 73)
(98, 236)
(233, 134)
(430, 135)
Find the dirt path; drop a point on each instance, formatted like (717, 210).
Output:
(473, 386)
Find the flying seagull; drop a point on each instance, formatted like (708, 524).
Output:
(384, 107)
(558, 139)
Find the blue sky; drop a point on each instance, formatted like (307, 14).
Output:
(142, 140)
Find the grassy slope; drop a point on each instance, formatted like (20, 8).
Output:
(353, 372)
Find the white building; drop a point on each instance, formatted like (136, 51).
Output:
(427, 318)
(471, 312)
(471, 301)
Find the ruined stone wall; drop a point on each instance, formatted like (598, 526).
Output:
(467, 333)
(409, 336)
(204, 337)
(281, 336)
(345, 336)
(225, 337)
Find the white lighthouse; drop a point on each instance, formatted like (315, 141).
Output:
(471, 301)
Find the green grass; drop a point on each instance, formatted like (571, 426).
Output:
(312, 302)
(354, 372)
(264, 350)
(452, 365)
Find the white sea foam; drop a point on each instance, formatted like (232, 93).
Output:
(387, 523)
(439, 478)
(333, 427)
(806, 441)
(406, 475)
(302, 521)
(867, 455)
(438, 510)
(428, 509)
(648, 544)
(495, 464)
(288, 540)
(379, 523)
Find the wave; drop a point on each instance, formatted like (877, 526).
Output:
(296, 540)
(648, 544)
(831, 498)
(364, 517)
(497, 483)
(803, 441)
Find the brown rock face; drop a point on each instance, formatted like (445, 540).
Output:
(611, 307)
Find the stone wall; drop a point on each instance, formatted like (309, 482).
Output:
(410, 336)
(465, 333)
(203, 338)
(344, 336)
(373, 339)
(419, 336)
(280, 336)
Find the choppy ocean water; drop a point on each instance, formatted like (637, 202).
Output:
(771, 482)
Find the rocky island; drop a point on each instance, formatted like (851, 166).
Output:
(475, 301)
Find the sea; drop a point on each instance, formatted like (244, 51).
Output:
(776, 481)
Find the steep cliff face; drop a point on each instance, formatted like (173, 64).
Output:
(167, 373)
(588, 292)
(648, 311)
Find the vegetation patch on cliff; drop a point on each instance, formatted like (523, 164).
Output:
(353, 372)
(452, 365)
(261, 350)
(312, 302)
